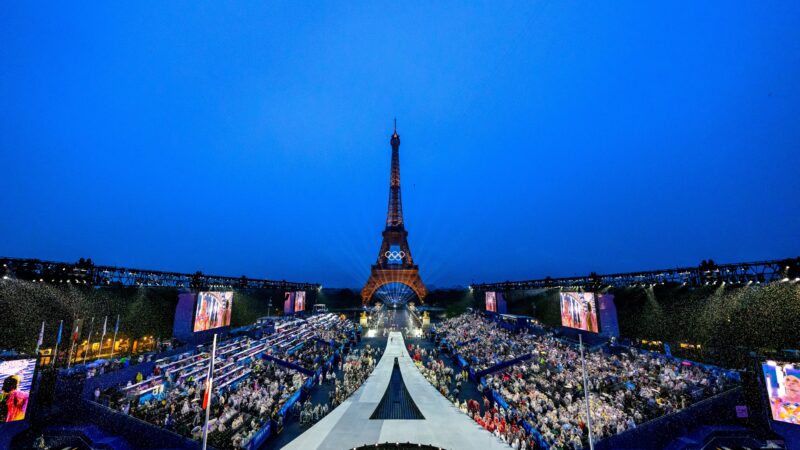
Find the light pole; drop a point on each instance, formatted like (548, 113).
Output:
(586, 393)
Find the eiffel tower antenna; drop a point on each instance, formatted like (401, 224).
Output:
(395, 124)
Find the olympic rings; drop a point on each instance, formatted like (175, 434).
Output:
(395, 256)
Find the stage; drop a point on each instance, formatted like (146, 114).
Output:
(349, 425)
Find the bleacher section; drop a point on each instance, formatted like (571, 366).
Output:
(533, 374)
(258, 380)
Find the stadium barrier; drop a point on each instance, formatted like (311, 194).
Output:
(658, 432)
(459, 344)
(260, 437)
(497, 367)
(135, 430)
(292, 366)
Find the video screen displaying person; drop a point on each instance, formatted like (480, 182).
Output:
(16, 377)
(213, 310)
(783, 391)
(288, 302)
(578, 310)
(491, 301)
(300, 301)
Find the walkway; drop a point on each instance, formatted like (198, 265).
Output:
(349, 425)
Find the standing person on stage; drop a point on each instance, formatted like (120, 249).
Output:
(787, 408)
(14, 400)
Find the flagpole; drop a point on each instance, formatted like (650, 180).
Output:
(58, 341)
(114, 342)
(103, 336)
(586, 393)
(209, 384)
(74, 339)
(91, 329)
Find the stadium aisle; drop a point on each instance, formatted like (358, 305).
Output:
(469, 388)
(319, 396)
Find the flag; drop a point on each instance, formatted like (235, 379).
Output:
(60, 327)
(77, 332)
(207, 393)
(41, 338)
(58, 341)
(114, 341)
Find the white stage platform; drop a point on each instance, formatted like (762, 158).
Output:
(349, 426)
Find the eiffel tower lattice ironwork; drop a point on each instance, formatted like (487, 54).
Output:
(395, 264)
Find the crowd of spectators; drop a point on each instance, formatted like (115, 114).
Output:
(483, 343)
(506, 425)
(236, 414)
(249, 390)
(627, 387)
(356, 368)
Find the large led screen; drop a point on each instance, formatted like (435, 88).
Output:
(288, 302)
(783, 391)
(300, 301)
(17, 378)
(213, 310)
(491, 301)
(578, 310)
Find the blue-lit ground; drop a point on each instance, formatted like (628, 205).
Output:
(394, 294)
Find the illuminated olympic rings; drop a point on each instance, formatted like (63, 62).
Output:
(395, 256)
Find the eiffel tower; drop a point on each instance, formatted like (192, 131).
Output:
(395, 264)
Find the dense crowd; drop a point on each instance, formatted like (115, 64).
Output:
(627, 387)
(504, 424)
(355, 368)
(236, 414)
(483, 343)
(248, 389)
(438, 374)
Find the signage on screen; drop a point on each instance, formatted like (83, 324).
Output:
(213, 310)
(783, 391)
(491, 301)
(16, 377)
(578, 310)
(300, 301)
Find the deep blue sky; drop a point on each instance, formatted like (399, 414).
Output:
(538, 138)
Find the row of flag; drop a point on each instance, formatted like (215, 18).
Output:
(74, 338)
(209, 385)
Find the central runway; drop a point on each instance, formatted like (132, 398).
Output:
(349, 425)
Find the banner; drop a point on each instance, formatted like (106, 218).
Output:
(41, 338)
(60, 328)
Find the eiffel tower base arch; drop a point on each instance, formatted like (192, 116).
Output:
(380, 277)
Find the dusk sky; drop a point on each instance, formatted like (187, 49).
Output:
(538, 138)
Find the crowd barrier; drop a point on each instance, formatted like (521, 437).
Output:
(136, 430)
(295, 348)
(289, 365)
(260, 437)
(497, 367)
(115, 378)
(459, 344)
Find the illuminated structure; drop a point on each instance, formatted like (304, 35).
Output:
(395, 264)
